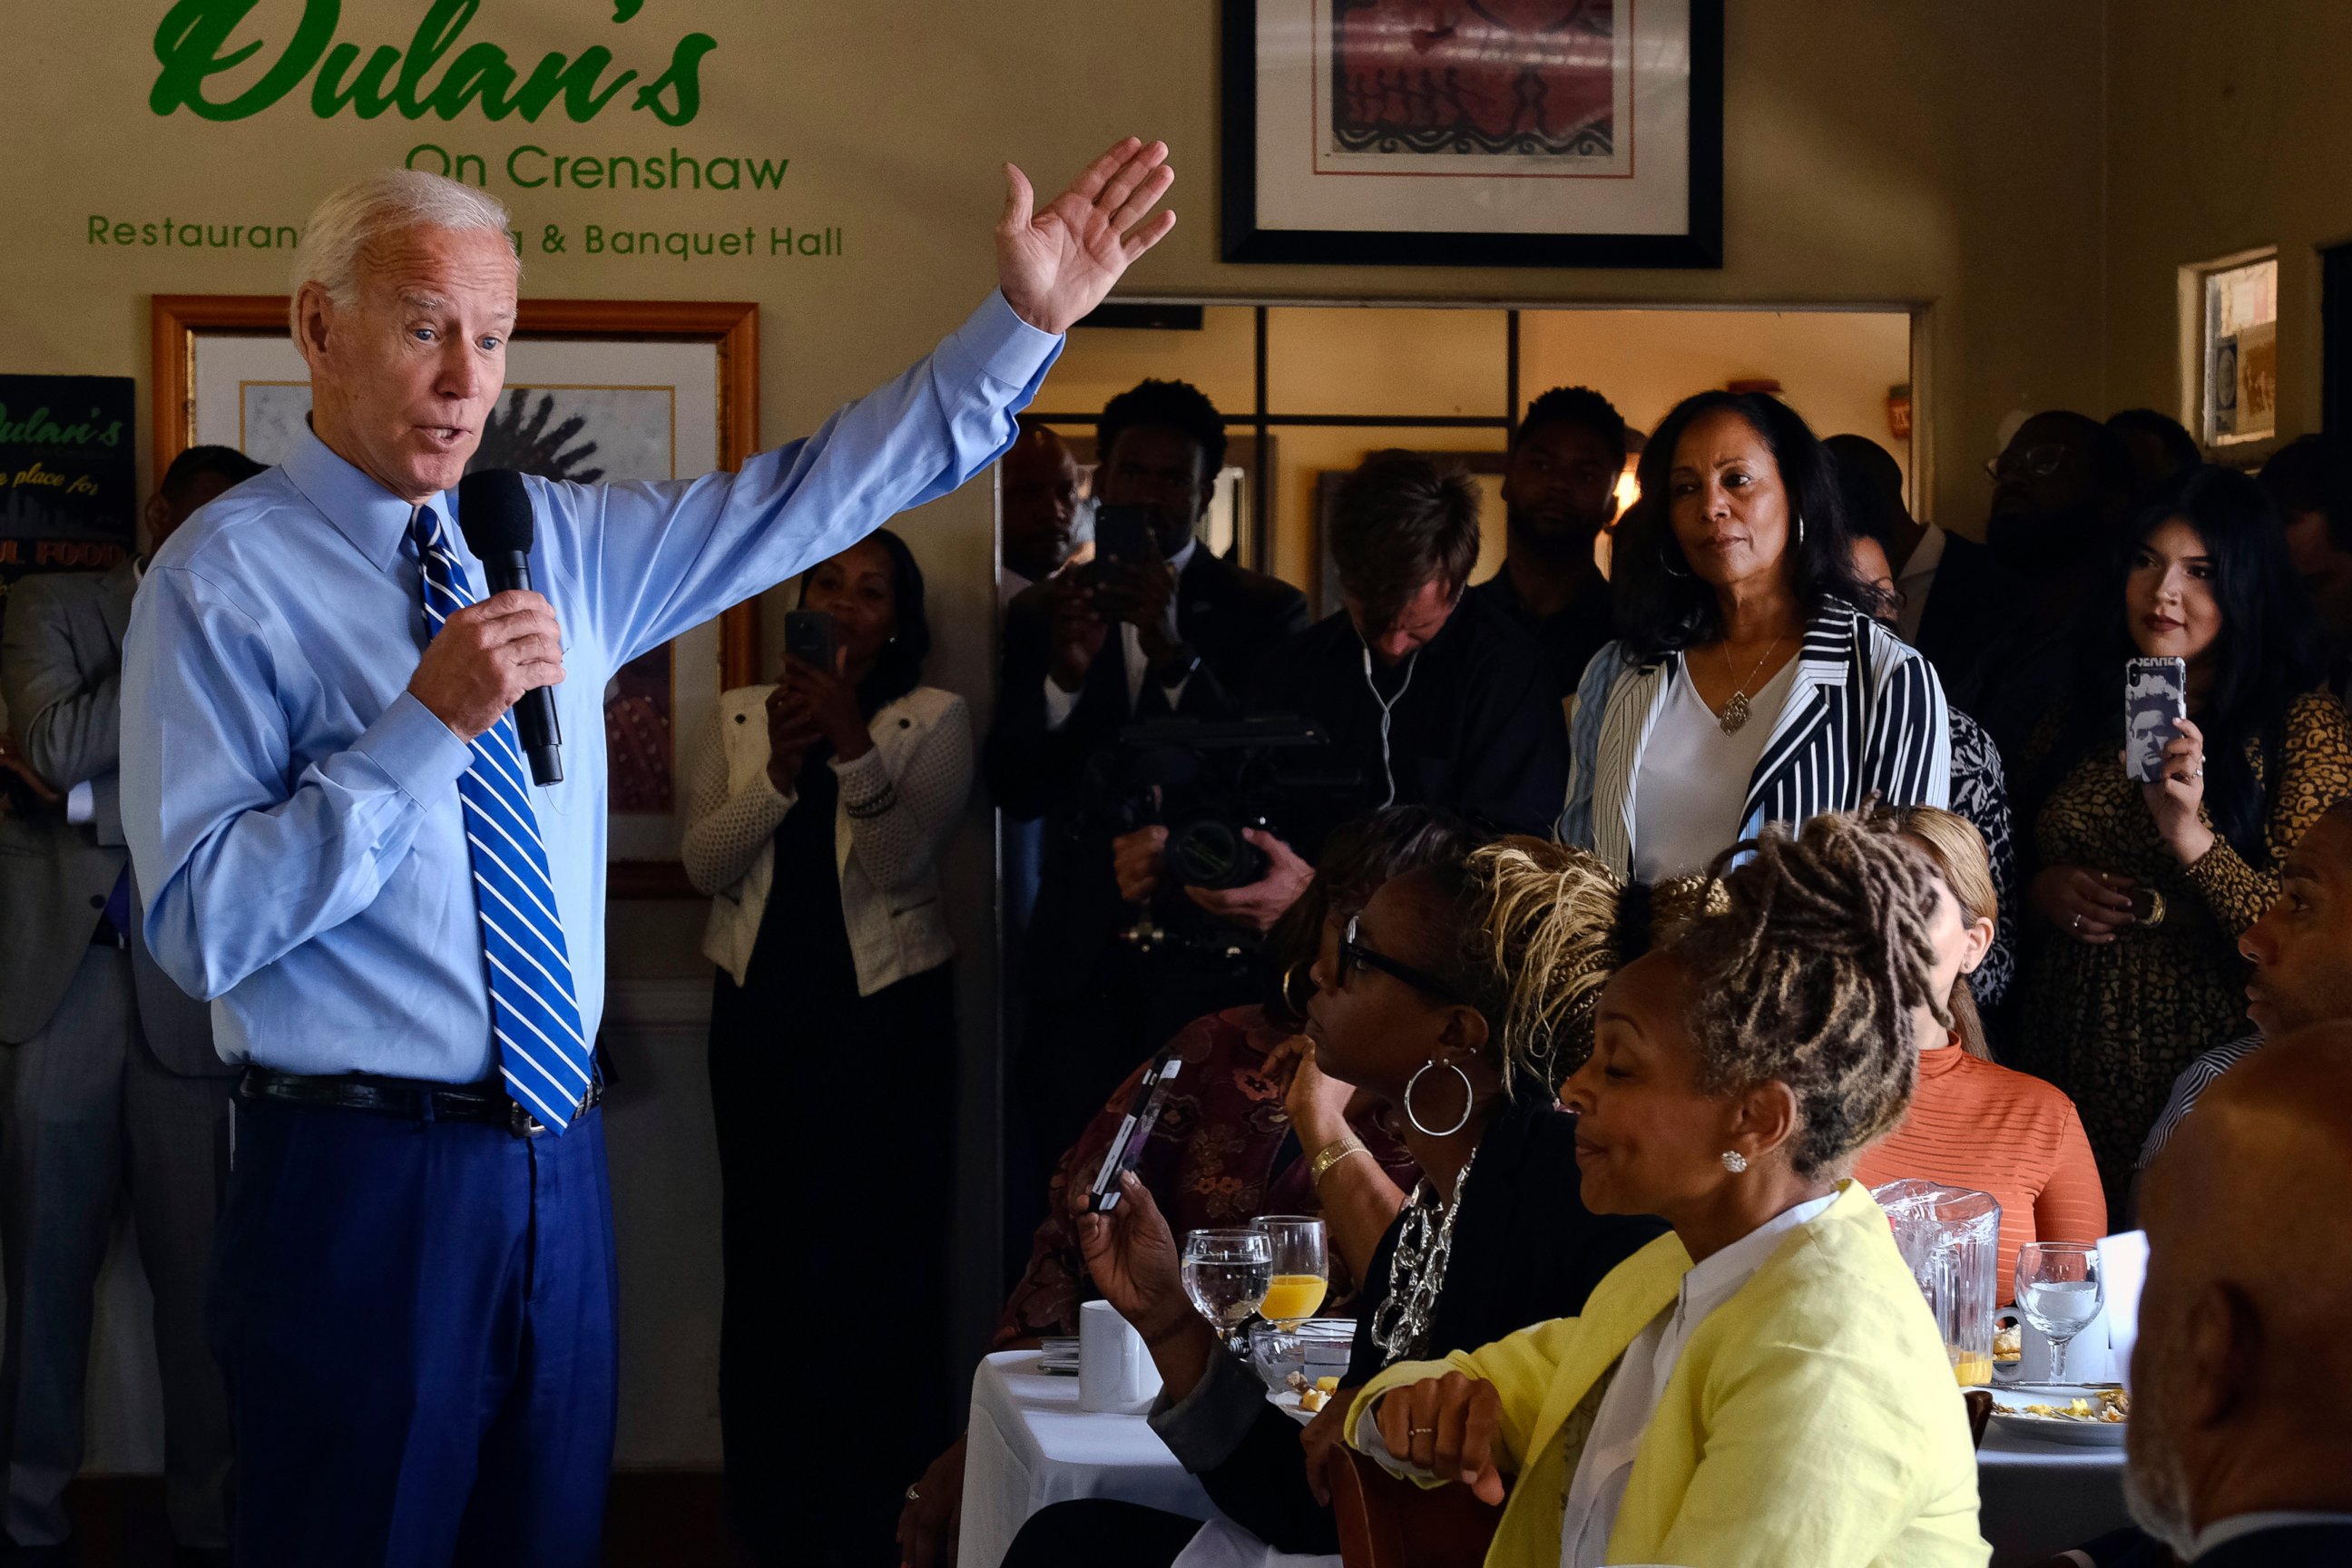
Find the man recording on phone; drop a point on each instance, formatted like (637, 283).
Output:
(330, 813)
(1156, 627)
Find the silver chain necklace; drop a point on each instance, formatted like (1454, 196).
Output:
(1417, 1270)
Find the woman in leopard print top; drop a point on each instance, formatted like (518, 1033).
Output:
(2115, 1006)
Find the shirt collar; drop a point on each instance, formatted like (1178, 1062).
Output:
(1926, 555)
(1717, 1277)
(1184, 558)
(373, 519)
(2222, 1532)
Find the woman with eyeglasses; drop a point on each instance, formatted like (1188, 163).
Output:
(1752, 684)
(2144, 890)
(1458, 996)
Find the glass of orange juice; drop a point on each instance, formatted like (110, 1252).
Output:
(1301, 1267)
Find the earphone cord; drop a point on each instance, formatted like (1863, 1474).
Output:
(1387, 706)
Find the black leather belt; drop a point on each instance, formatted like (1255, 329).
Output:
(487, 1104)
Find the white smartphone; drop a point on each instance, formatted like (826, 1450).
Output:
(2155, 692)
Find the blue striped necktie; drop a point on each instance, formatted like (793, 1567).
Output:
(534, 1012)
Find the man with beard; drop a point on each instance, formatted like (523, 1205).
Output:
(2240, 1442)
(1558, 492)
(2062, 489)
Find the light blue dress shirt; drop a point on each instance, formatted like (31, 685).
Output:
(293, 811)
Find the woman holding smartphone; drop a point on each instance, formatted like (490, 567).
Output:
(818, 809)
(2144, 889)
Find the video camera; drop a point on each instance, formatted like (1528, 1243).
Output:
(1208, 781)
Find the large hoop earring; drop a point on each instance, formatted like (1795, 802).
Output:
(1800, 531)
(1469, 1098)
(1666, 563)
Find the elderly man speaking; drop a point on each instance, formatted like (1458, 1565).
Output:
(414, 1283)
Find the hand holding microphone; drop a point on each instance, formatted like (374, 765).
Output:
(505, 651)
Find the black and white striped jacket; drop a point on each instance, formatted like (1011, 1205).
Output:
(1864, 714)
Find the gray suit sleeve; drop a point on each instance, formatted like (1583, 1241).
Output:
(1205, 1427)
(67, 719)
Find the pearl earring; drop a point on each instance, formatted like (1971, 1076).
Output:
(1734, 1161)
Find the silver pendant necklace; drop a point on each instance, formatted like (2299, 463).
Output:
(1733, 717)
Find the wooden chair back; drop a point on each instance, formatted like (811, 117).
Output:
(1979, 1404)
(1385, 1522)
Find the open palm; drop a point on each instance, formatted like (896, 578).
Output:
(1055, 264)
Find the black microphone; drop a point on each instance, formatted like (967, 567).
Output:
(494, 513)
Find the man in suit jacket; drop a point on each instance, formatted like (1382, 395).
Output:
(1087, 653)
(2242, 1378)
(1955, 599)
(108, 1075)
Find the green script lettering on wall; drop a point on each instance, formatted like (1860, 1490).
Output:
(192, 44)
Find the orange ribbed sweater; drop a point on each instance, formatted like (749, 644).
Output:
(1978, 1124)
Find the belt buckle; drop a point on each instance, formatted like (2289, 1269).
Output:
(521, 1122)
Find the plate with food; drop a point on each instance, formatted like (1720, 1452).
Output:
(2087, 1415)
(1303, 1399)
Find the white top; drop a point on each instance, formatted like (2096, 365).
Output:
(1606, 1465)
(1916, 580)
(1061, 704)
(1692, 779)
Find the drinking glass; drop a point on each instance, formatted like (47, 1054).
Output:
(1226, 1273)
(2059, 1292)
(1301, 1269)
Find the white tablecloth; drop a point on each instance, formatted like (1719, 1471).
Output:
(1031, 1446)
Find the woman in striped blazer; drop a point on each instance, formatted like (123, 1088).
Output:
(1750, 685)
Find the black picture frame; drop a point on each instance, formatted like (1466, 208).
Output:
(1241, 239)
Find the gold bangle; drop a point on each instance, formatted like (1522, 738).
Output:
(1332, 1153)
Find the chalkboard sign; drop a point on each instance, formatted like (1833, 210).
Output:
(68, 474)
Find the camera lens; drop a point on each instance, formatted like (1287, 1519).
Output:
(1210, 852)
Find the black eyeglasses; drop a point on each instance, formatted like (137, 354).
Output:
(1354, 954)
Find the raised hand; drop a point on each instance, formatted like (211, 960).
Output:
(1056, 264)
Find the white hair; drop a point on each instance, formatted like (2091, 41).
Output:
(342, 226)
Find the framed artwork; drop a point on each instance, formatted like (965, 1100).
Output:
(1473, 132)
(596, 390)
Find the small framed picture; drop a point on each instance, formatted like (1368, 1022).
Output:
(1505, 134)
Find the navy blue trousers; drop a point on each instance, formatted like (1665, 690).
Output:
(415, 1319)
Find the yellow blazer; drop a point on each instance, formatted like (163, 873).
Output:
(1813, 1421)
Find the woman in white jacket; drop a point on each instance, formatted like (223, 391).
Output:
(818, 811)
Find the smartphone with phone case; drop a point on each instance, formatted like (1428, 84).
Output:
(1134, 1131)
(2155, 692)
(1123, 535)
(808, 636)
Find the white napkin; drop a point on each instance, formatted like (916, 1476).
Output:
(2123, 1270)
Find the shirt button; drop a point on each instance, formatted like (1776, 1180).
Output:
(97, 900)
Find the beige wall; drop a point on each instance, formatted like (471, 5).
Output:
(2226, 131)
(1942, 156)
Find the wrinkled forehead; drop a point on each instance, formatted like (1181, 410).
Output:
(465, 272)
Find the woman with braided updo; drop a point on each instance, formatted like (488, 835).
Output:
(1454, 998)
(1765, 1385)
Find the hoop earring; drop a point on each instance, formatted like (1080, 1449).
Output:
(1666, 564)
(1800, 531)
(1469, 1098)
(1291, 977)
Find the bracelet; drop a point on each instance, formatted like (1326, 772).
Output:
(1332, 1153)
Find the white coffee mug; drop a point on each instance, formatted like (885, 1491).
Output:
(1115, 1374)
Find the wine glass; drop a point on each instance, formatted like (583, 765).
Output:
(1301, 1270)
(1226, 1273)
(2059, 1292)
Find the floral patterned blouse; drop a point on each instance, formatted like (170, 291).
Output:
(1222, 1155)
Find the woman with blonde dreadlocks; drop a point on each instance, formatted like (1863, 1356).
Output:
(1456, 998)
(1764, 1386)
